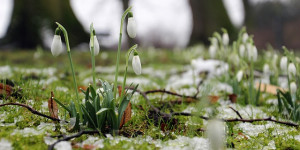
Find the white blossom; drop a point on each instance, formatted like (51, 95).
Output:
(266, 69)
(245, 37)
(292, 70)
(136, 64)
(96, 45)
(131, 27)
(239, 75)
(283, 63)
(293, 88)
(216, 134)
(56, 46)
(242, 50)
(225, 38)
(212, 51)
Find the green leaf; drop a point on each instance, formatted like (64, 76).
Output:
(87, 94)
(62, 105)
(88, 116)
(93, 92)
(102, 110)
(279, 101)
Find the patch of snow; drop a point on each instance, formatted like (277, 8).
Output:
(5, 72)
(49, 140)
(271, 145)
(26, 132)
(63, 145)
(186, 143)
(61, 88)
(44, 71)
(5, 145)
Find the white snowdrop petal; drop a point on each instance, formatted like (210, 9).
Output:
(225, 39)
(245, 37)
(283, 63)
(266, 69)
(212, 51)
(136, 65)
(131, 27)
(216, 132)
(56, 46)
(242, 50)
(293, 88)
(239, 75)
(96, 46)
(292, 70)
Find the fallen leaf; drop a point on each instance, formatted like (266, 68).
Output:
(52, 106)
(126, 115)
(82, 87)
(213, 99)
(232, 98)
(120, 90)
(5, 89)
(268, 88)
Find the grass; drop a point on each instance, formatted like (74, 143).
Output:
(142, 125)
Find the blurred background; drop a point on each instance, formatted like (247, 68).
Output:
(28, 24)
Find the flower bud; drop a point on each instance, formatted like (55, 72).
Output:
(291, 70)
(239, 76)
(266, 69)
(225, 39)
(136, 64)
(96, 45)
(245, 37)
(131, 26)
(283, 64)
(56, 46)
(293, 88)
(216, 134)
(212, 51)
(242, 50)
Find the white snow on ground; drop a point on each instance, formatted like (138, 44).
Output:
(26, 132)
(44, 71)
(64, 145)
(5, 145)
(5, 72)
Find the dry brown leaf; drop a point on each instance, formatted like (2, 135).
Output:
(232, 98)
(271, 89)
(5, 89)
(52, 106)
(213, 99)
(126, 115)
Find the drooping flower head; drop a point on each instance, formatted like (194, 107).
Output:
(136, 63)
(283, 64)
(96, 44)
(56, 46)
(292, 70)
(131, 26)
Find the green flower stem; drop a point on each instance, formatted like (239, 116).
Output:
(119, 49)
(133, 48)
(72, 68)
(93, 54)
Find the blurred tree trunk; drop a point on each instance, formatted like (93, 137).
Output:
(208, 17)
(31, 17)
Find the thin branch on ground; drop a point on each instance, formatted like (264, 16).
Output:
(170, 93)
(31, 110)
(67, 138)
(238, 113)
(170, 115)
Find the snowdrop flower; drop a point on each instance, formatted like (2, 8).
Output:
(96, 45)
(131, 26)
(274, 61)
(235, 59)
(136, 64)
(194, 63)
(245, 37)
(239, 75)
(212, 51)
(266, 69)
(283, 64)
(56, 46)
(252, 52)
(225, 38)
(242, 50)
(216, 134)
(214, 42)
(292, 70)
(293, 88)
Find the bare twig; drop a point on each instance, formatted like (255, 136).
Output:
(170, 93)
(238, 113)
(67, 138)
(31, 110)
(170, 115)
